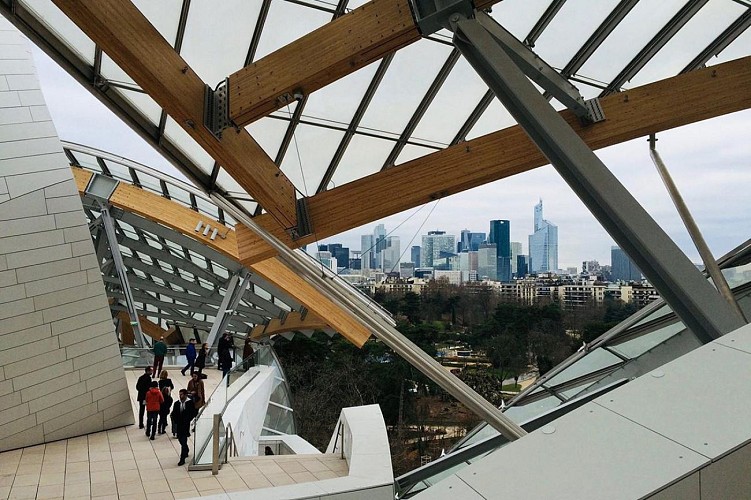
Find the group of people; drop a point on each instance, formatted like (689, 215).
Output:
(155, 400)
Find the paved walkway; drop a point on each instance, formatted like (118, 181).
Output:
(124, 464)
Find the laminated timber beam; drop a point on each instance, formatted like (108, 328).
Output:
(666, 104)
(323, 56)
(293, 322)
(120, 29)
(183, 220)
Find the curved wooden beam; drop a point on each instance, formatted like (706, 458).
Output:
(182, 219)
(673, 102)
(293, 322)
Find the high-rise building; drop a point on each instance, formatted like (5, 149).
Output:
(390, 254)
(434, 244)
(340, 253)
(470, 241)
(500, 234)
(543, 244)
(522, 268)
(367, 252)
(516, 251)
(379, 242)
(415, 255)
(622, 268)
(487, 262)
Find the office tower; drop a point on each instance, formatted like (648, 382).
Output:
(543, 244)
(435, 243)
(487, 262)
(367, 259)
(390, 254)
(516, 250)
(470, 241)
(379, 240)
(500, 234)
(340, 253)
(591, 267)
(622, 267)
(415, 255)
(521, 266)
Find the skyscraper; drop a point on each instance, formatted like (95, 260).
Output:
(516, 251)
(390, 254)
(470, 241)
(434, 244)
(543, 244)
(367, 252)
(500, 234)
(415, 254)
(487, 262)
(622, 267)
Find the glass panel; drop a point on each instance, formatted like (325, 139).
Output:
(163, 15)
(404, 85)
(269, 132)
(187, 145)
(411, 152)
(280, 14)
(364, 156)
(309, 155)
(595, 360)
(338, 101)
(640, 345)
(518, 16)
(217, 37)
(494, 118)
(64, 28)
(520, 414)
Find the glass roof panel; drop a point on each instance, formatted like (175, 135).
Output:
(518, 16)
(411, 152)
(142, 102)
(638, 27)
(699, 32)
(560, 41)
(309, 155)
(595, 360)
(494, 118)
(164, 15)
(451, 107)
(338, 101)
(187, 145)
(737, 49)
(364, 156)
(408, 78)
(229, 184)
(639, 345)
(522, 413)
(217, 36)
(297, 21)
(64, 28)
(269, 132)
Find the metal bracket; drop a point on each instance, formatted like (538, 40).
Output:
(304, 227)
(596, 114)
(216, 108)
(433, 15)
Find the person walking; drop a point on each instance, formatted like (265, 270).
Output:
(196, 391)
(248, 352)
(190, 355)
(183, 413)
(164, 410)
(154, 400)
(225, 357)
(165, 381)
(142, 386)
(203, 353)
(160, 350)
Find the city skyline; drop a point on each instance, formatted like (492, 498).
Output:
(687, 151)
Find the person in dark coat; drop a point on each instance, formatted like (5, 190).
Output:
(165, 381)
(225, 357)
(183, 413)
(164, 410)
(201, 359)
(142, 386)
(190, 355)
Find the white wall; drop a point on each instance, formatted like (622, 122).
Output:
(60, 369)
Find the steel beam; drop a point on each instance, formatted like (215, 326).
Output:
(235, 291)
(684, 288)
(109, 229)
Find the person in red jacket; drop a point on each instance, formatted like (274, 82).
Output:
(154, 400)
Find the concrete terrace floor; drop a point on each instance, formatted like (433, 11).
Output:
(124, 464)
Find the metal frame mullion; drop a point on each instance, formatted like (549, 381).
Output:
(422, 107)
(721, 42)
(289, 134)
(340, 8)
(473, 117)
(375, 82)
(682, 285)
(654, 45)
(256, 38)
(543, 22)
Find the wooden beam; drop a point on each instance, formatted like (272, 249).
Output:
(323, 56)
(659, 106)
(120, 29)
(342, 321)
(182, 219)
(166, 212)
(293, 322)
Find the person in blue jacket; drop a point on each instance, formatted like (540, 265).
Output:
(190, 353)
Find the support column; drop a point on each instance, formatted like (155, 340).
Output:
(230, 301)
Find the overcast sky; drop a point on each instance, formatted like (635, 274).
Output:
(709, 162)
